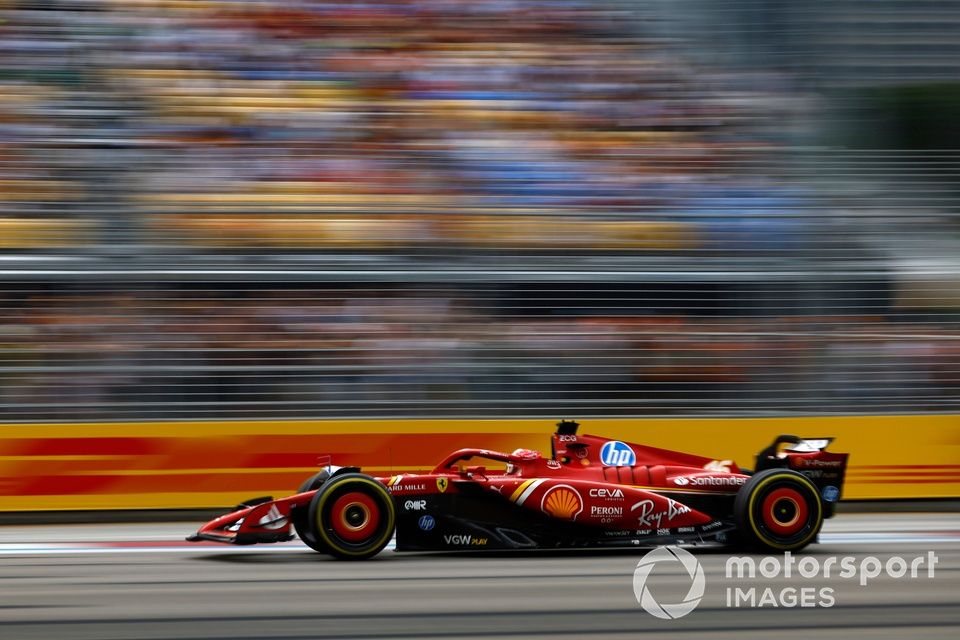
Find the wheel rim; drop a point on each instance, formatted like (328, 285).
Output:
(784, 511)
(355, 516)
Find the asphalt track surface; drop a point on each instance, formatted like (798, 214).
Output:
(108, 582)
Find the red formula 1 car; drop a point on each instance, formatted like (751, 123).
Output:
(591, 492)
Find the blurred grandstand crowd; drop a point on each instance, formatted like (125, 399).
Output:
(398, 123)
(430, 128)
(262, 352)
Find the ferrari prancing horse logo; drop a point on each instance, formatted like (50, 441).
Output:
(442, 484)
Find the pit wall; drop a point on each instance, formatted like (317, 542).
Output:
(177, 465)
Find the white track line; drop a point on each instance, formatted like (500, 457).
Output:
(64, 549)
(20, 549)
(884, 538)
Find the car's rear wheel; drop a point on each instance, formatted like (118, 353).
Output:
(300, 516)
(779, 510)
(352, 516)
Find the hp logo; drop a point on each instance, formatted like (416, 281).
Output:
(617, 454)
(427, 523)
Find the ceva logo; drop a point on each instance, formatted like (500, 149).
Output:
(617, 454)
(665, 556)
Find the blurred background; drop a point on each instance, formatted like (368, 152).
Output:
(505, 208)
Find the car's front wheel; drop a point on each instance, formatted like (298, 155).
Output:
(301, 515)
(779, 510)
(352, 516)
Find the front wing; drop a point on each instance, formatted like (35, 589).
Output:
(255, 521)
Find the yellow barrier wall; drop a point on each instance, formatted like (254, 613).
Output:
(215, 464)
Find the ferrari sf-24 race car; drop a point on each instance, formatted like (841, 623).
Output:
(590, 492)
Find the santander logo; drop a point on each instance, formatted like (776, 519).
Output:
(710, 481)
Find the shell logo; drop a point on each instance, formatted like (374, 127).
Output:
(562, 502)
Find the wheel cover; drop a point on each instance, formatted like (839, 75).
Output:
(355, 516)
(784, 511)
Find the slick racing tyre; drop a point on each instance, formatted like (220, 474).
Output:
(352, 516)
(779, 510)
(301, 515)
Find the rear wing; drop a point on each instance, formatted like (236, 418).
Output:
(809, 457)
(799, 445)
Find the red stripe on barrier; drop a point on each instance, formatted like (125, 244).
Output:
(904, 466)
